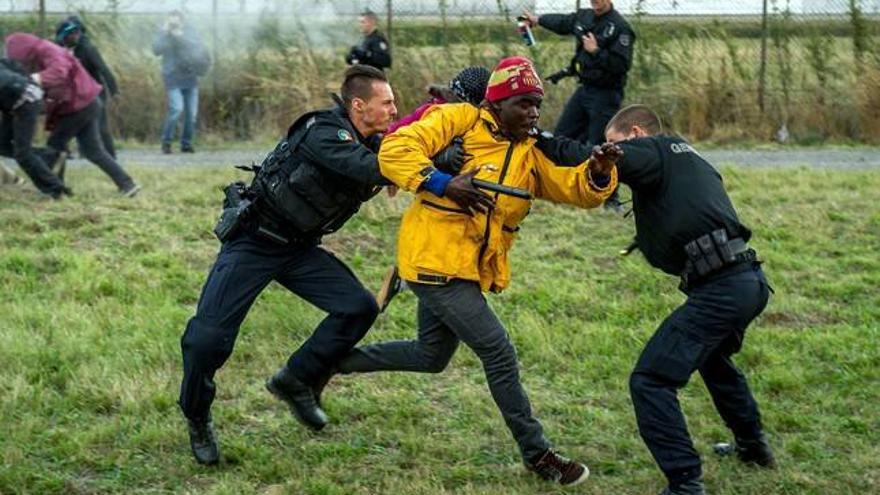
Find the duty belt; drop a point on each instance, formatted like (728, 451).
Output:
(712, 255)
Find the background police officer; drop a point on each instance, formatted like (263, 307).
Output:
(687, 226)
(603, 56)
(373, 50)
(314, 180)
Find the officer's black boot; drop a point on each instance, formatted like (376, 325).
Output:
(320, 384)
(299, 397)
(203, 441)
(689, 487)
(751, 451)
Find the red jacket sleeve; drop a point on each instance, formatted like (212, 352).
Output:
(56, 68)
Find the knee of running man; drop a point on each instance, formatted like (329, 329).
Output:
(362, 307)
(437, 356)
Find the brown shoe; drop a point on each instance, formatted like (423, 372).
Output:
(553, 467)
(391, 285)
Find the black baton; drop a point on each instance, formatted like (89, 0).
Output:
(516, 192)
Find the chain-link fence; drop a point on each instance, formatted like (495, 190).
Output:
(806, 70)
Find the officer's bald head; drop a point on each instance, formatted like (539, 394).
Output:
(627, 120)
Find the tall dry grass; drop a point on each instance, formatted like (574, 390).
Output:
(704, 80)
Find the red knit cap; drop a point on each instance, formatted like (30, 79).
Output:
(513, 76)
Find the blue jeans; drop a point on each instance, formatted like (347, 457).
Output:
(186, 101)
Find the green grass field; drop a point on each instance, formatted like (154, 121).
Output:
(96, 291)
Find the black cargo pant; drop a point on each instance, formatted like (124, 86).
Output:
(244, 267)
(701, 335)
(84, 125)
(447, 314)
(16, 141)
(586, 114)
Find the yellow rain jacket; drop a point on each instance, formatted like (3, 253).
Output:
(438, 241)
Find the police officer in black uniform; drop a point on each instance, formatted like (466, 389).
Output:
(373, 50)
(603, 56)
(310, 185)
(21, 101)
(686, 226)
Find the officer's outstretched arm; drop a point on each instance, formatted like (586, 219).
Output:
(562, 151)
(331, 146)
(571, 185)
(558, 23)
(405, 155)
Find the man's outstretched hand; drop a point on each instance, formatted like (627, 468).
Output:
(603, 158)
(461, 190)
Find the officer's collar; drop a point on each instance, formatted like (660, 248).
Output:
(341, 112)
(606, 14)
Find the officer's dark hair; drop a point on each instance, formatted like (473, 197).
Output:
(640, 115)
(369, 14)
(358, 83)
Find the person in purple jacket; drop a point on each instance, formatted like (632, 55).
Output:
(73, 109)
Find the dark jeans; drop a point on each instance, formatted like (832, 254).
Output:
(587, 113)
(104, 127)
(17, 131)
(447, 314)
(244, 267)
(84, 125)
(701, 335)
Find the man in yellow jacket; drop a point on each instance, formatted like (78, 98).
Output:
(454, 241)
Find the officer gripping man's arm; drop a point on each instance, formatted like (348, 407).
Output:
(603, 56)
(309, 186)
(687, 226)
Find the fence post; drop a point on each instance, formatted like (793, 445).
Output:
(42, 18)
(214, 16)
(762, 73)
(388, 17)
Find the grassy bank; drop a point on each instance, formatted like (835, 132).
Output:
(96, 291)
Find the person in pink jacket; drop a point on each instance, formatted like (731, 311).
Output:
(73, 108)
(467, 86)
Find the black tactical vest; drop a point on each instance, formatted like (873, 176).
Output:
(303, 198)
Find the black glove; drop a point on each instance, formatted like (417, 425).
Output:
(356, 53)
(451, 158)
(560, 75)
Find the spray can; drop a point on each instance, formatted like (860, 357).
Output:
(526, 32)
